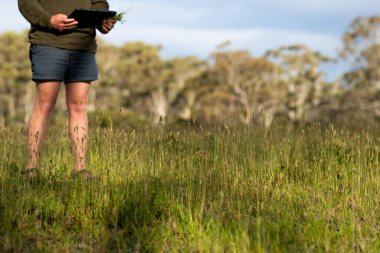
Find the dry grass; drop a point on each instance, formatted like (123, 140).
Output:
(195, 189)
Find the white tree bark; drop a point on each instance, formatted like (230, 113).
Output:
(28, 101)
(159, 108)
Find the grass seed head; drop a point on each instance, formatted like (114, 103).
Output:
(120, 17)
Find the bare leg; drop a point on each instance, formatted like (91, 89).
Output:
(76, 100)
(46, 97)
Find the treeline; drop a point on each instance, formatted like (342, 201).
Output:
(137, 85)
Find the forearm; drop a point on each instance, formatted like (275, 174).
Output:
(34, 13)
(100, 4)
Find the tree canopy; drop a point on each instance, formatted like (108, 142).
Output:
(233, 86)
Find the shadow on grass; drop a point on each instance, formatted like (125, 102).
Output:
(53, 211)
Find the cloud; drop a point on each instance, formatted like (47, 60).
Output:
(152, 12)
(200, 42)
(197, 27)
(11, 17)
(322, 5)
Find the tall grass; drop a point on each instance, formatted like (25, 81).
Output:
(195, 189)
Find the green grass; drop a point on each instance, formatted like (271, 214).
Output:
(195, 189)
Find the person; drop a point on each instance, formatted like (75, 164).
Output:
(60, 52)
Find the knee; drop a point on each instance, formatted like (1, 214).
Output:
(77, 107)
(45, 106)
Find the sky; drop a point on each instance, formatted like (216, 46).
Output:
(197, 27)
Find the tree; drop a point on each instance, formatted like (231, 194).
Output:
(144, 82)
(110, 91)
(180, 92)
(238, 86)
(142, 71)
(305, 84)
(361, 45)
(15, 76)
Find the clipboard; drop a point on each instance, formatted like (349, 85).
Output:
(91, 18)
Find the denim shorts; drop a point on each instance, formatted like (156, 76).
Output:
(56, 64)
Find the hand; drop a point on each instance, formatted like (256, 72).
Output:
(107, 25)
(61, 22)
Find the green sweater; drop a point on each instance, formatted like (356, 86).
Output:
(39, 12)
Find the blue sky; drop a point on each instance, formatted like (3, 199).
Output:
(195, 27)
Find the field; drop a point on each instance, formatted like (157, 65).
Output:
(195, 189)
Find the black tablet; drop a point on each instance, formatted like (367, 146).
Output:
(90, 18)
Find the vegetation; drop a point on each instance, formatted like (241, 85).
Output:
(120, 17)
(233, 87)
(237, 154)
(196, 189)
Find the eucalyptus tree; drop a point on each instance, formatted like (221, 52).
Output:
(110, 91)
(144, 73)
(238, 86)
(137, 78)
(306, 87)
(15, 77)
(128, 76)
(361, 46)
(179, 89)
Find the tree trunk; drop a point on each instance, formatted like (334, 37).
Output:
(2, 118)
(11, 106)
(91, 104)
(159, 108)
(186, 113)
(28, 101)
(248, 117)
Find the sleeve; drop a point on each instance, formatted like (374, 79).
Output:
(34, 13)
(100, 4)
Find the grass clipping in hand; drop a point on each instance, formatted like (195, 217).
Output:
(120, 17)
